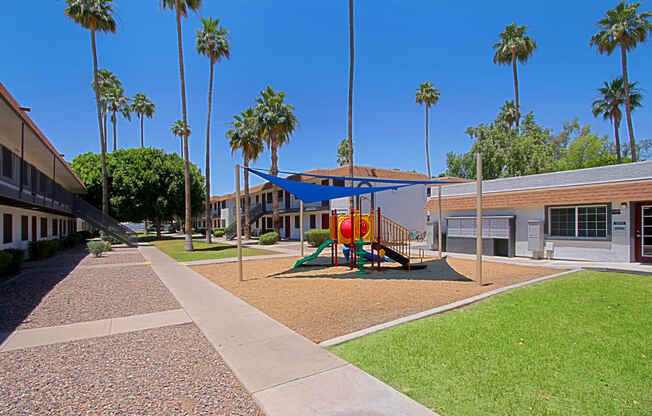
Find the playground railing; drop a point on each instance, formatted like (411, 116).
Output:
(394, 236)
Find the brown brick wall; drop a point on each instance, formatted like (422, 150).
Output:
(587, 194)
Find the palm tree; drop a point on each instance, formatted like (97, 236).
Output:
(181, 129)
(429, 95)
(276, 123)
(95, 15)
(350, 115)
(245, 136)
(623, 26)
(143, 107)
(117, 102)
(508, 113)
(106, 81)
(211, 42)
(611, 98)
(181, 9)
(514, 46)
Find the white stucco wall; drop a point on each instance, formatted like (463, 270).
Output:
(16, 213)
(616, 250)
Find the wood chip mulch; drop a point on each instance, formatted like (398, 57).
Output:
(323, 302)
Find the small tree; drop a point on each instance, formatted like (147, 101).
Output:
(343, 152)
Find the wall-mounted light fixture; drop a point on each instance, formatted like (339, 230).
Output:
(623, 206)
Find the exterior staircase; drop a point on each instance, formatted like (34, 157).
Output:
(255, 213)
(99, 220)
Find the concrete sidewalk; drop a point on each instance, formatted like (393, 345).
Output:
(635, 268)
(286, 373)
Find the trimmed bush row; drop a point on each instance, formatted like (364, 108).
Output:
(269, 238)
(317, 237)
(39, 250)
(11, 260)
(218, 232)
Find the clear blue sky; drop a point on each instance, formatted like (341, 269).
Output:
(301, 47)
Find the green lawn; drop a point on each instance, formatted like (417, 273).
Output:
(577, 345)
(203, 251)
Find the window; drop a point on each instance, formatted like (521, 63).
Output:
(257, 198)
(223, 204)
(44, 227)
(269, 198)
(428, 191)
(258, 223)
(313, 221)
(24, 228)
(589, 221)
(26, 175)
(270, 225)
(296, 221)
(54, 226)
(338, 182)
(7, 163)
(280, 194)
(7, 228)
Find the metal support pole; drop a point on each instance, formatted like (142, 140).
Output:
(238, 226)
(439, 230)
(22, 159)
(301, 224)
(478, 218)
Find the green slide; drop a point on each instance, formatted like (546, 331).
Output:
(314, 255)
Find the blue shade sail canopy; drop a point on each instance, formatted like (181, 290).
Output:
(360, 179)
(310, 192)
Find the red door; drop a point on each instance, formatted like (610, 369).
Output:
(34, 229)
(643, 232)
(287, 226)
(324, 221)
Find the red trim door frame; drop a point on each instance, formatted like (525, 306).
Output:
(643, 230)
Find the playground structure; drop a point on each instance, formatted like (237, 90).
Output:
(355, 230)
(385, 236)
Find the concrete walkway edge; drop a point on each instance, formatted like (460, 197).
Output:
(287, 374)
(440, 309)
(34, 337)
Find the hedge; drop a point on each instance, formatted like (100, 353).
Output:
(46, 248)
(317, 237)
(11, 260)
(218, 232)
(269, 238)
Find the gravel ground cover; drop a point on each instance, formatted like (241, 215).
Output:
(114, 257)
(163, 371)
(56, 297)
(325, 302)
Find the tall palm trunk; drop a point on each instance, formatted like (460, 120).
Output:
(350, 115)
(142, 125)
(628, 105)
(114, 120)
(106, 126)
(105, 187)
(427, 148)
(616, 122)
(275, 216)
(518, 105)
(247, 203)
(187, 246)
(209, 231)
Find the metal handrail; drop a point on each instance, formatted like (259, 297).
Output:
(101, 221)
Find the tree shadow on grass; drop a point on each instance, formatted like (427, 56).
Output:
(219, 248)
(436, 270)
(21, 294)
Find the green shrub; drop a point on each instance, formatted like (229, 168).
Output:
(38, 250)
(107, 246)
(218, 232)
(97, 247)
(317, 237)
(269, 238)
(17, 259)
(5, 261)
